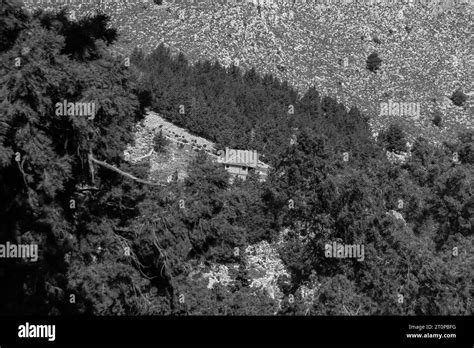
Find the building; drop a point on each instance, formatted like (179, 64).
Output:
(239, 163)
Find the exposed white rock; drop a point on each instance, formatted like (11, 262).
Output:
(265, 267)
(396, 215)
(397, 158)
(218, 274)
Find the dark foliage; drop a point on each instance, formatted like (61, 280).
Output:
(437, 118)
(12, 22)
(393, 138)
(373, 62)
(458, 97)
(160, 142)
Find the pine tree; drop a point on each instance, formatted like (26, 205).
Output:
(437, 118)
(160, 142)
(458, 97)
(394, 138)
(373, 62)
(47, 157)
(12, 21)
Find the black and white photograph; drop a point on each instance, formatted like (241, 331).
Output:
(252, 172)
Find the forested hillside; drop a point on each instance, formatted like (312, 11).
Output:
(114, 242)
(243, 109)
(423, 48)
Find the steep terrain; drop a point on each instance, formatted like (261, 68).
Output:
(123, 245)
(425, 50)
(178, 153)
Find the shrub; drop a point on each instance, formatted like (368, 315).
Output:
(437, 118)
(160, 142)
(373, 62)
(458, 97)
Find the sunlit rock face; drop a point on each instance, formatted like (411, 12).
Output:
(396, 215)
(219, 274)
(397, 158)
(265, 266)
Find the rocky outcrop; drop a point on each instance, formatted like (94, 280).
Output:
(397, 216)
(265, 268)
(397, 157)
(263, 265)
(218, 274)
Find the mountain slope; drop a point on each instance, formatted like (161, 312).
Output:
(424, 50)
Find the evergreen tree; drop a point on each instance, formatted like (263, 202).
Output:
(437, 118)
(458, 97)
(46, 158)
(393, 138)
(12, 21)
(159, 142)
(373, 62)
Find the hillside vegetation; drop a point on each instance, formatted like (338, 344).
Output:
(425, 49)
(112, 241)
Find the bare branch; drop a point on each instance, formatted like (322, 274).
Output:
(88, 189)
(115, 169)
(20, 167)
(91, 168)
